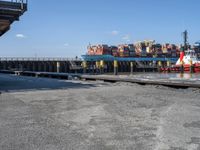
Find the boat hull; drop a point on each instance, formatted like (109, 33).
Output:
(186, 68)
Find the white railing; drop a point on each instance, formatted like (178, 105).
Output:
(38, 59)
(19, 1)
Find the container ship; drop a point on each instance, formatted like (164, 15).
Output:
(147, 54)
(146, 48)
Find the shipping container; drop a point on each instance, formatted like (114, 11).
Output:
(146, 48)
(114, 51)
(157, 50)
(99, 50)
(131, 50)
(123, 50)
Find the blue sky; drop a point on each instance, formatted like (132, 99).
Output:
(64, 28)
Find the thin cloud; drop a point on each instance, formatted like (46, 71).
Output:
(20, 36)
(115, 32)
(66, 44)
(126, 38)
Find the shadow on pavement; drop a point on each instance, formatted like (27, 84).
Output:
(12, 83)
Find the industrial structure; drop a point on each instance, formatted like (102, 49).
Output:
(141, 56)
(64, 65)
(10, 11)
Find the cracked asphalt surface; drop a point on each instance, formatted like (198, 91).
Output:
(50, 114)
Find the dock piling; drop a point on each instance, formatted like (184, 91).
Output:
(115, 67)
(84, 64)
(58, 67)
(101, 66)
(131, 64)
(182, 67)
(191, 67)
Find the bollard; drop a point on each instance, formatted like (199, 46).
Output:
(101, 66)
(58, 67)
(191, 67)
(115, 67)
(131, 67)
(84, 64)
(182, 67)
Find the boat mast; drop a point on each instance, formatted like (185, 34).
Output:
(185, 38)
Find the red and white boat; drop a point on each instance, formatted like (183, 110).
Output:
(188, 60)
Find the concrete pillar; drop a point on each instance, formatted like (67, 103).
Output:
(28, 66)
(58, 67)
(33, 66)
(39, 66)
(131, 65)
(110, 67)
(168, 66)
(50, 67)
(191, 67)
(115, 67)
(45, 67)
(65, 67)
(93, 67)
(101, 66)
(123, 67)
(159, 66)
(4, 66)
(84, 65)
(182, 67)
(21, 67)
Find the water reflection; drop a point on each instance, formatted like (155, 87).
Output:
(177, 76)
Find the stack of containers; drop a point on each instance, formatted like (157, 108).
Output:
(99, 50)
(123, 51)
(138, 49)
(169, 50)
(144, 49)
(103, 50)
(91, 50)
(157, 50)
(131, 50)
(114, 51)
(149, 45)
(175, 51)
(165, 49)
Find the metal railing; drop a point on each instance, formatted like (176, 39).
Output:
(38, 59)
(17, 1)
(22, 3)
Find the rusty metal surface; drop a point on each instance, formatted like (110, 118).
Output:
(10, 11)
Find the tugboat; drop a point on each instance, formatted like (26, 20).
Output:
(188, 61)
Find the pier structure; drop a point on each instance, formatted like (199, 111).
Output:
(10, 11)
(87, 65)
(108, 63)
(59, 65)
